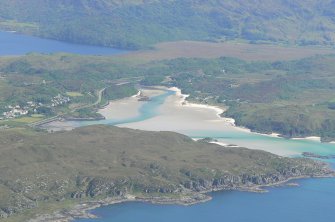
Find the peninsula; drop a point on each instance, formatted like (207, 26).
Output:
(42, 173)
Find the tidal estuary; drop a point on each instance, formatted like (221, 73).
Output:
(284, 203)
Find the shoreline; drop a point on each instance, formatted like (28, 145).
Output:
(219, 112)
(184, 103)
(82, 210)
(231, 121)
(128, 107)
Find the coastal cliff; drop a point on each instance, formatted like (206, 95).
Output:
(100, 165)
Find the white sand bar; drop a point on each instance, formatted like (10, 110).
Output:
(121, 109)
(128, 107)
(184, 117)
(176, 115)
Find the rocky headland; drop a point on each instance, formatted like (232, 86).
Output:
(99, 165)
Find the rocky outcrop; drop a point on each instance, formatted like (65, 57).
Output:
(18, 203)
(245, 181)
(314, 155)
(95, 163)
(101, 186)
(188, 188)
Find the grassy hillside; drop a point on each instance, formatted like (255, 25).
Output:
(136, 24)
(293, 98)
(40, 169)
(40, 78)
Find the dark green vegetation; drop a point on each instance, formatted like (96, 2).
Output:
(136, 24)
(41, 173)
(293, 98)
(40, 169)
(87, 81)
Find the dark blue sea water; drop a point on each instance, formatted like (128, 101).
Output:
(16, 44)
(312, 201)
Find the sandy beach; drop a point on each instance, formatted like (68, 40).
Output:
(313, 138)
(178, 115)
(128, 107)
(195, 120)
(123, 108)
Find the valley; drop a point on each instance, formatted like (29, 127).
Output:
(167, 110)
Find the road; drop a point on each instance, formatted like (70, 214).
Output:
(99, 94)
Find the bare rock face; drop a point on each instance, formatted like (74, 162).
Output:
(18, 203)
(314, 155)
(245, 181)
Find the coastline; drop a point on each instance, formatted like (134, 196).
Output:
(195, 120)
(128, 107)
(82, 210)
(220, 111)
(121, 108)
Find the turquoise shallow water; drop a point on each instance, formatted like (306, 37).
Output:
(264, 142)
(16, 44)
(312, 201)
(148, 110)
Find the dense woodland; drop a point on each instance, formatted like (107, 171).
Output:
(138, 24)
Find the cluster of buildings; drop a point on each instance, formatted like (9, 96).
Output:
(32, 107)
(14, 111)
(59, 100)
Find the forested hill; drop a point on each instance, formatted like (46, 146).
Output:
(141, 23)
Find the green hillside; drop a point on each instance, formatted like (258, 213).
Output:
(293, 98)
(48, 172)
(136, 24)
